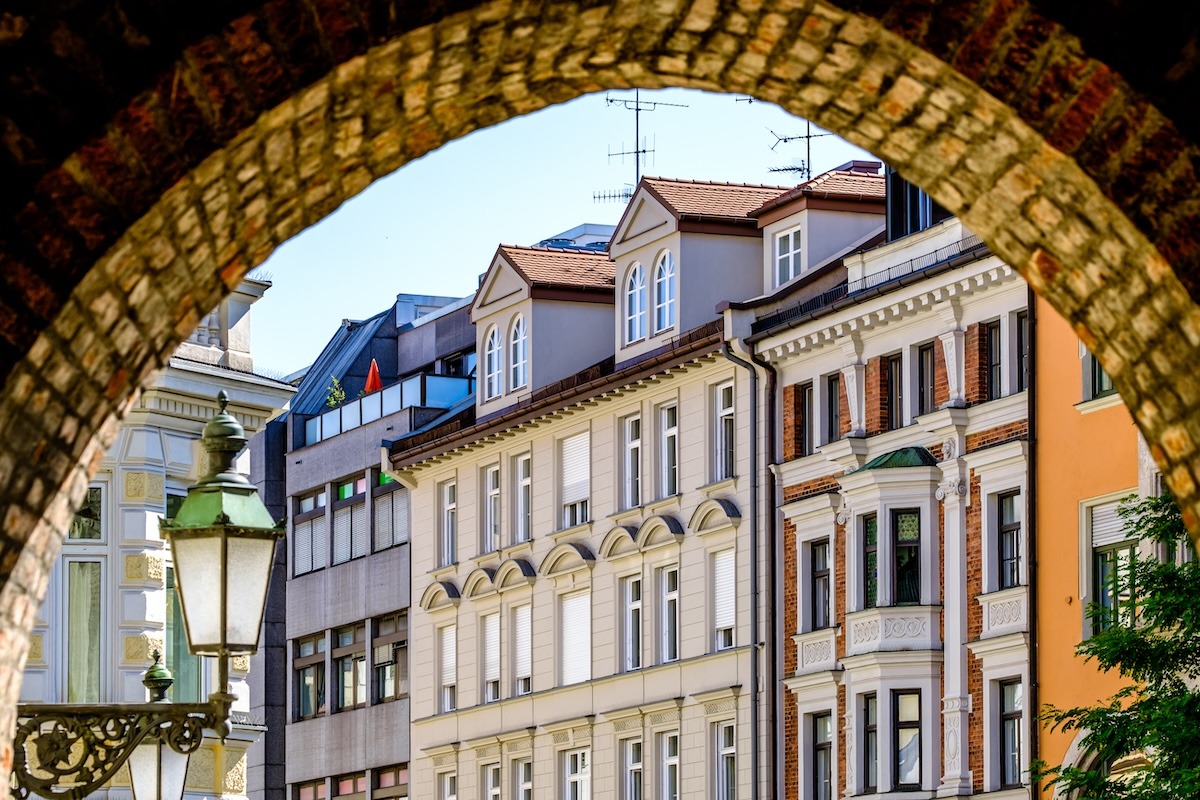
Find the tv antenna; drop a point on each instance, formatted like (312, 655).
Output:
(805, 166)
(640, 150)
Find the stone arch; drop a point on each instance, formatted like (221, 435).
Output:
(657, 530)
(440, 594)
(481, 581)
(139, 194)
(620, 541)
(513, 573)
(714, 514)
(566, 557)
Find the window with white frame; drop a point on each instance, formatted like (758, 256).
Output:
(522, 649)
(493, 364)
(518, 346)
(575, 638)
(664, 292)
(906, 739)
(491, 782)
(575, 453)
(725, 453)
(631, 634)
(448, 551)
(787, 256)
(448, 786)
(804, 431)
(668, 609)
(491, 510)
(523, 498)
(725, 752)
(81, 612)
(1008, 540)
(631, 461)
(1010, 737)
(833, 407)
(490, 625)
(668, 765)
(926, 379)
(1096, 381)
(822, 756)
(906, 557)
(1023, 345)
(185, 668)
(448, 673)
(1113, 557)
(523, 779)
(993, 360)
(870, 741)
(577, 774)
(668, 451)
(635, 305)
(820, 585)
(724, 589)
(870, 562)
(631, 770)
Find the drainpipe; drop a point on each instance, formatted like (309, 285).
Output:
(771, 650)
(1031, 534)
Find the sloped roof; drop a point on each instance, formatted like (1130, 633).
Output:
(343, 347)
(710, 199)
(557, 266)
(904, 457)
(852, 181)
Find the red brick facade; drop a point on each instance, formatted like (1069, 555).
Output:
(875, 394)
(975, 388)
(1013, 431)
(941, 386)
(974, 534)
(791, 607)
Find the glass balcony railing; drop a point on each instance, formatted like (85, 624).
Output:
(424, 391)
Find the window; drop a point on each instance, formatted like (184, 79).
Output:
(925, 380)
(894, 412)
(1008, 532)
(1022, 350)
(522, 650)
(635, 305)
(491, 510)
(833, 407)
(993, 363)
(523, 505)
(185, 667)
(308, 534)
(1011, 760)
(870, 773)
(309, 666)
(389, 655)
(390, 782)
(518, 355)
(631, 595)
(350, 664)
(493, 368)
(490, 623)
(352, 787)
(1112, 565)
(575, 639)
(88, 522)
(726, 753)
(577, 774)
(1101, 383)
(576, 478)
(448, 786)
(906, 739)
(668, 623)
(312, 502)
(523, 779)
(870, 572)
(351, 531)
(664, 293)
(787, 256)
(819, 580)
(312, 790)
(83, 639)
(724, 599)
(822, 757)
(491, 782)
(631, 461)
(723, 437)
(804, 420)
(668, 451)
(351, 488)
(668, 753)
(391, 515)
(906, 557)
(449, 545)
(448, 653)
(631, 784)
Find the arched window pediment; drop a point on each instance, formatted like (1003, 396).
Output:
(621, 540)
(440, 594)
(715, 514)
(566, 557)
(479, 582)
(659, 530)
(513, 573)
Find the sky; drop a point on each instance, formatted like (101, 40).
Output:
(433, 226)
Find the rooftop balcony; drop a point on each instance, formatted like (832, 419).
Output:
(415, 391)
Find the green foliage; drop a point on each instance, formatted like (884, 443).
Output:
(337, 394)
(1157, 712)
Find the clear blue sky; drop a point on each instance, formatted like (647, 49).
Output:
(433, 226)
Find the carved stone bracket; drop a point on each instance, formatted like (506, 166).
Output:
(951, 488)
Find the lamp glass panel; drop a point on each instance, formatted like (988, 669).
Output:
(156, 771)
(250, 562)
(198, 577)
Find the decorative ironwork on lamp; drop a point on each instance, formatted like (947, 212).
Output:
(223, 544)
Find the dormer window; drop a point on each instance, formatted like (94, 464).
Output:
(493, 357)
(664, 292)
(787, 256)
(518, 354)
(635, 305)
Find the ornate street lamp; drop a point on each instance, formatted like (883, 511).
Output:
(223, 543)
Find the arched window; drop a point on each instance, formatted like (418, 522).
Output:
(664, 293)
(493, 365)
(635, 305)
(518, 354)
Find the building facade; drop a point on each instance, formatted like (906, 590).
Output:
(111, 602)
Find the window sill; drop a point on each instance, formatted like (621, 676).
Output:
(626, 514)
(517, 549)
(661, 504)
(488, 558)
(1099, 403)
(574, 530)
(709, 489)
(441, 573)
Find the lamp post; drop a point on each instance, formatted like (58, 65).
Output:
(223, 544)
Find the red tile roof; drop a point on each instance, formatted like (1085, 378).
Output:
(708, 199)
(837, 184)
(556, 266)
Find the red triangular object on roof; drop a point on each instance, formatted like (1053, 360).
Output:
(373, 382)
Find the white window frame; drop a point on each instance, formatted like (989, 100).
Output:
(490, 533)
(724, 432)
(1088, 547)
(665, 282)
(668, 450)
(523, 779)
(448, 501)
(575, 459)
(490, 779)
(522, 649)
(632, 770)
(631, 461)
(74, 554)
(725, 760)
(518, 354)
(724, 593)
(522, 498)
(633, 622)
(577, 778)
(489, 625)
(493, 364)
(448, 785)
(635, 305)
(669, 638)
(668, 765)
(575, 638)
(448, 668)
(793, 257)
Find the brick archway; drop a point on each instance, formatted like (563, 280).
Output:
(261, 118)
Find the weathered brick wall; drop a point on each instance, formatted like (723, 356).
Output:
(941, 384)
(875, 394)
(792, 419)
(975, 375)
(843, 409)
(1010, 432)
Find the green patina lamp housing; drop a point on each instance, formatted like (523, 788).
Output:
(223, 544)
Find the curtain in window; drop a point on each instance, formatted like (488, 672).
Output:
(83, 632)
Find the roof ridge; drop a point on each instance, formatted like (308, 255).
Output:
(699, 182)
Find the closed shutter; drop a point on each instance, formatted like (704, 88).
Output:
(491, 647)
(449, 655)
(341, 535)
(523, 642)
(724, 585)
(576, 638)
(400, 516)
(1106, 525)
(383, 522)
(360, 533)
(576, 456)
(320, 541)
(302, 547)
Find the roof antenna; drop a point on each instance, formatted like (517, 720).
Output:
(805, 166)
(639, 151)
